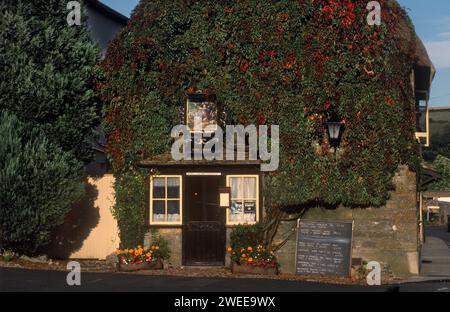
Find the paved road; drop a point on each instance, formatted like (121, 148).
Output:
(436, 252)
(28, 280)
(438, 232)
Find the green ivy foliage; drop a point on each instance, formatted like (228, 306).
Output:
(129, 208)
(289, 63)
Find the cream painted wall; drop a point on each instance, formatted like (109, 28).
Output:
(104, 238)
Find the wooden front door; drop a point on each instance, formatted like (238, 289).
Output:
(204, 230)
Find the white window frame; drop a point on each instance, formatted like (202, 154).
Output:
(243, 199)
(166, 199)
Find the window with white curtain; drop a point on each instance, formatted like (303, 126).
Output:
(165, 200)
(244, 199)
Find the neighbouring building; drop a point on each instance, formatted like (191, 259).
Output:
(439, 122)
(103, 23)
(436, 205)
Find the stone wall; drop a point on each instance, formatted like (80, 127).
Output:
(387, 234)
(174, 238)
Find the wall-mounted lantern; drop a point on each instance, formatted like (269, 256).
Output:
(335, 129)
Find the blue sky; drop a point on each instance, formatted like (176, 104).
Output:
(432, 21)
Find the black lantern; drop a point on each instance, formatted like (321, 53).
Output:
(335, 129)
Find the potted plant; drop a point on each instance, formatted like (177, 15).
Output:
(247, 253)
(135, 259)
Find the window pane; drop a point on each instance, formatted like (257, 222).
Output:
(159, 188)
(173, 188)
(249, 211)
(173, 210)
(250, 206)
(249, 188)
(235, 211)
(159, 210)
(236, 187)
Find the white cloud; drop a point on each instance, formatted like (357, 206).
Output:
(444, 34)
(439, 52)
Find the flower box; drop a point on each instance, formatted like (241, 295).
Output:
(129, 267)
(253, 269)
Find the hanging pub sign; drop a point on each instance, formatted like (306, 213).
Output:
(324, 248)
(201, 107)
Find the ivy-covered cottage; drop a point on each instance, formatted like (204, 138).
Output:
(305, 66)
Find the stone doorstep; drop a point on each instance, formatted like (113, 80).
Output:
(203, 267)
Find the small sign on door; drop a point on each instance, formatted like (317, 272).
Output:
(225, 194)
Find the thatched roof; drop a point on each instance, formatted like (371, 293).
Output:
(411, 43)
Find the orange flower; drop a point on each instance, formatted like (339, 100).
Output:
(250, 260)
(249, 248)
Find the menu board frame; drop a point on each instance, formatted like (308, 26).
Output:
(329, 222)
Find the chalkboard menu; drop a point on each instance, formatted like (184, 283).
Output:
(324, 248)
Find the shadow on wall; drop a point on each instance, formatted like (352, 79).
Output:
(79, 222)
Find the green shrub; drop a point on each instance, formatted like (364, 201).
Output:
(47, 70)
(8, 255)
(442, 165)
(162, 243)
(247, 246)
(38, 184)
(247, 235)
